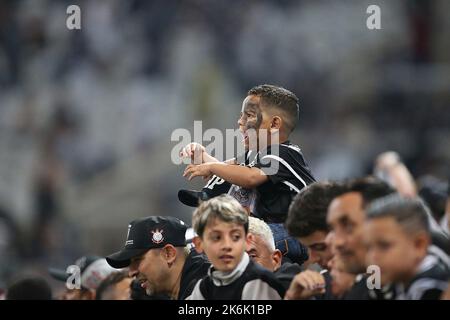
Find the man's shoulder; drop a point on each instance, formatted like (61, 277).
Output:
(195, 268)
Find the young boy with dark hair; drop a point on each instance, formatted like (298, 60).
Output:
(222, 224)
(397, 235)
(266, 183)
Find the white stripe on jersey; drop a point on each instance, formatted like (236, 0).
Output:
(296, 148)
(290, 185)
(283, 162)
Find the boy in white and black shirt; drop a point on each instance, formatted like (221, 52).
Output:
(222, 227)
(397, 235)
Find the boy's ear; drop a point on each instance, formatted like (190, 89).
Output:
(197, 241)
(422, 242)
(276, 123)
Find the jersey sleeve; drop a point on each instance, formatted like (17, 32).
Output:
(284, 165)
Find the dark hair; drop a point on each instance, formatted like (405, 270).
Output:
(370, 188)
(434, 193)
(30, 288)
(308, 211)
(410, 214)
(107, 283)
(280, 99)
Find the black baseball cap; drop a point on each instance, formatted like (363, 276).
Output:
(149, 233)
(215, 187)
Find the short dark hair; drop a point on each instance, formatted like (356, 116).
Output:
(279, 99)
(370, 188)
(107, 283)
(29, 288)
(308, 211)
(410, 213)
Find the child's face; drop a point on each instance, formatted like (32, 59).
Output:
(224, 244)
(251, 122)
(393, 250)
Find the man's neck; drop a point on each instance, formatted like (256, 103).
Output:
(177, 281)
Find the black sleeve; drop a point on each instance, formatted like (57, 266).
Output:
(284, 166)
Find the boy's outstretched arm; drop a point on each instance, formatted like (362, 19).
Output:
(239, 175)
(197, 153)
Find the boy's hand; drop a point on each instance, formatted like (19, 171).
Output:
(200, 170)
(306, 285)
(194, 151)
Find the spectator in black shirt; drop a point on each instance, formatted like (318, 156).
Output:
(157, 255)
(269, 114)
(397, 235)
(222, 227)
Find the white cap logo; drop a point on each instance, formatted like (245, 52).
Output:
(157, 236)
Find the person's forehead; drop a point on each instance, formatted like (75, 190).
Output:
(317, 236)
(251, 101)
(258, 242)
(218, 225)
(348, 205)
(384, 227)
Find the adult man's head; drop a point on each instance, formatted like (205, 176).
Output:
(261, 245)
(346, 215)
(307, 219)
(271, 108)
(155, 253)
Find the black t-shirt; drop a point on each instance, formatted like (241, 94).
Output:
(195, 268)
(292, 175)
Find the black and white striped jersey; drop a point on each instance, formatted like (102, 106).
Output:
(429, 283)
(288, 174)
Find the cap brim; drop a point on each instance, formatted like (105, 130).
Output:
(58, 274)
(189, 197)
(123, 258)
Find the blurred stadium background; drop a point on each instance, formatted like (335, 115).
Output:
(86, 116)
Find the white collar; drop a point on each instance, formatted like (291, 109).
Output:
(221, 278)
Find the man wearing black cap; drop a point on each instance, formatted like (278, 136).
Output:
(156, 254)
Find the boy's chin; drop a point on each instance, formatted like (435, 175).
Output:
(224, 267)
